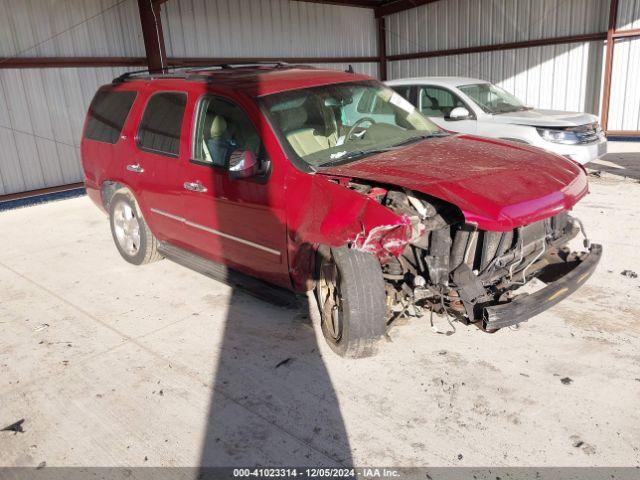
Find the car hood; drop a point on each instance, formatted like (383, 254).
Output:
(496, 184)
(545, 118)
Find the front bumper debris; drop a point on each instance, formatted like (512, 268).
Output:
(528, 305)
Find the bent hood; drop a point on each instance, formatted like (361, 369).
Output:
(545, 118)
(498, 185)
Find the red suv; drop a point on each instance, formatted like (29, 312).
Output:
(309, 178)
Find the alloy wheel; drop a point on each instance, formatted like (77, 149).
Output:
(330, 298)
(127, 228)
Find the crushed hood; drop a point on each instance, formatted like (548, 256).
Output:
(545, 118)
(498, 185)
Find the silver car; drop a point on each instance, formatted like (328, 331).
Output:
(469, 105)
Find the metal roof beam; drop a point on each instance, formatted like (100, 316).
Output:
(346, 3)
(396, 6)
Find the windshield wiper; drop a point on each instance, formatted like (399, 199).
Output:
(511, 110)
(420, 137)
(362, 153)
(355, 154)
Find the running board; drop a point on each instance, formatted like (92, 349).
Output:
(250, 285)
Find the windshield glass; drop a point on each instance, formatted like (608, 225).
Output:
(334, 124)
(493, 99)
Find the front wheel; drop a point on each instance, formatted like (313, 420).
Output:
(351, 298)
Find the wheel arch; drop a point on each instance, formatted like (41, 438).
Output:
(108, 188)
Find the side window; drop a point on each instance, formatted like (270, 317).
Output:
(438, 102)
(161, 124)
(221, 128)
(107, 114)
(403, 90)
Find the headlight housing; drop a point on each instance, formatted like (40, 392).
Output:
(555, 135)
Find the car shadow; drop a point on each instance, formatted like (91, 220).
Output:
(625, 165)
(273, 401)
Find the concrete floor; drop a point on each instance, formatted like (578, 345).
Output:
(111, 364)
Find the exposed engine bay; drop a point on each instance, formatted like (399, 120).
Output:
(450, 266)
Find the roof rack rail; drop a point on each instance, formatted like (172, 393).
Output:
(227, 65)
(126, 75)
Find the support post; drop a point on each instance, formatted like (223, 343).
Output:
(608, 64)
(152, 35)
(382, 49)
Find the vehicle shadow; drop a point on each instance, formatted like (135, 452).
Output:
(626, 165)
(273, 402)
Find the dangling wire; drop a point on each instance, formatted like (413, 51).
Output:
(446, 312)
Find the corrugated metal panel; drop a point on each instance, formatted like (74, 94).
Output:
(628, 14)
(40, 28)
(41, 118)
(219, 28)
(624, 108)
(562, 77)
(468, 23)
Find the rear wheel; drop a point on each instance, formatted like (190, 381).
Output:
(351, 298)
(132, 236)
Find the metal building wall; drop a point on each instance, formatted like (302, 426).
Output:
(624, 106)
(42, 110)
(565, 77)
(628, 14)
(469, 23)
(270, 28)
(41, 116)
(45, 28)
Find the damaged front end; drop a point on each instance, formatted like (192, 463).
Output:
(433, 259)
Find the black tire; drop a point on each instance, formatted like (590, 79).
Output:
(146, 249)
(362, 306)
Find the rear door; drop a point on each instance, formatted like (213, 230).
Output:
(436, 103)
(103, 140)
(154, 166)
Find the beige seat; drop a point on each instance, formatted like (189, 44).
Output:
(304, 139)
(217, 131)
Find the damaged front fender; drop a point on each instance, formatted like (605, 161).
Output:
(385, 241)
(325, 212)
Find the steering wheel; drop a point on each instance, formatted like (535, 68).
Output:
(357, 124)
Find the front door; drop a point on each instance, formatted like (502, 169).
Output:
(436, 103)
(238, 222)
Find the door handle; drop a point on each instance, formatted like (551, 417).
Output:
(135, 168)
(195, 187)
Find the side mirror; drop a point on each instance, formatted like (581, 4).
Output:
(459, 113)
(242, 164)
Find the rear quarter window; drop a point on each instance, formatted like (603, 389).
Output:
(107, 114)
(161, 123)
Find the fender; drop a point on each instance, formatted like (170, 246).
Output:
(321, 210)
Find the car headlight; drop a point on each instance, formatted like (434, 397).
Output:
(566, 137)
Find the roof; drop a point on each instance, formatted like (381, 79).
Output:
(442, 81)
(253, 80)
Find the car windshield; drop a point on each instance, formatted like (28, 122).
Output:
(493, 99)
(335, 124)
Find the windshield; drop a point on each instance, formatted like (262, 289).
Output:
(334, 124)
(493, 99)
